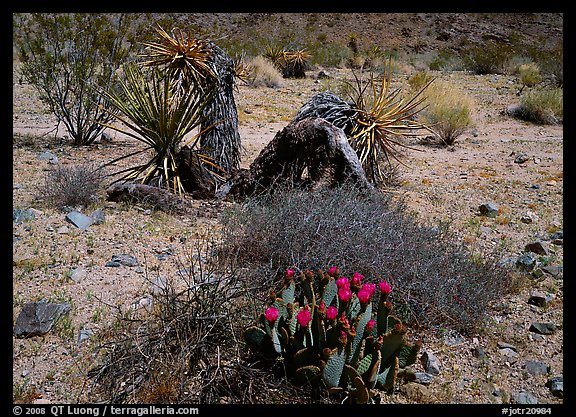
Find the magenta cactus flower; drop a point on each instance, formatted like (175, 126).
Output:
(357, 279)
(364, 296)
(290, 272)
(370, 326)
(385, 288)
(271, 314)
(333, 271)
(331, 313)
(343, 282)
(371, 288)
(344, 294)
(304, 317)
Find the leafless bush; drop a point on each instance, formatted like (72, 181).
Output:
(435, 280)
(72, 186)
(186, 347)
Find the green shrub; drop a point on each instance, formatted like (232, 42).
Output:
(436, 279)
(529, 74)
(64, 56)
(262, 72)
(489, 58)
(541, 106)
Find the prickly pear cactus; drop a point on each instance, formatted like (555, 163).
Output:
(334, 332)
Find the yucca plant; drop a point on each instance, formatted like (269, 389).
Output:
(293, 63)
(184, 58)
(159, 114)
(379, 117)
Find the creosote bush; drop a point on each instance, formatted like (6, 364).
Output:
(437, 281)
(541, 106)
(263, 73)
(72, 186)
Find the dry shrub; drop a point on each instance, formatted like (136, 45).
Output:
(448, 111)
(541, 107)
(435, 280)
(72, 186)
(263, 73)
(529, 74)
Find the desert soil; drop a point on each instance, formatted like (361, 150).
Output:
(439, 183)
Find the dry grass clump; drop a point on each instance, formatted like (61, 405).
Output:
(541, 107)
(263, 73)
(448, 110)
(78, 185)
(436, 281)
(529, 74)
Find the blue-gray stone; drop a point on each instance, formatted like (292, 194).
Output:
(97, 216)
(112, 264)
(124, 259)
(536, 368)
(430, 363)
(526, 261)
(537, 247)
(20, 215)
(543, 328)
(48, 156)
(524, 397)
(38, 318)
(489, 209)
(540, 299)
(81, 221)
(423, 378)
(556, 385)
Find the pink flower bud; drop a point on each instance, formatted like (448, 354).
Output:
(271, 314)
(343, 282)
(331, 313)
(357, 279)
(370, 326)
(385, 288)
(304, 317)
(290, 272)
(333, 271)
(364, 296)
(344, 294)
(371, 288)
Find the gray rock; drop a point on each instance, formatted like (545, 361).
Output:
(81, 221)
(504, 345)
(555, 270)
(78, 274)
(479, 352)
(84, 335)
(48, 156)
(430, 363)
(537, 247)
(521, 158)
(105, 137)
(20, 215)
(38, 318)
(509, 354)
(97, 216)
(536, 368)
(112, 264)
(508, 262)
(322, 74)
(423, 378)
(556, 385)
(523, 397)
(543, 328)
(526, 261)
(453, 338)
(124, 259)
(540, 299)
(488, 209)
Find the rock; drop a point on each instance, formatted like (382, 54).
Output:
(423, 378)
(105, 138)
(536, 368)
(479, 352)
(84, 335)
(38, 318)
(521, 158)
(508, 262)
(48, 156)
(510, 355)
(540, 299)
(556, 385)
(417, 393)
(97, 216)
(543, 328)
(453, 338)
(430, 363)
(81, 221)
(323, 75)
(23, 215)
(63, 230)
(526, 261)
(158, 285)
(555, 270)
(537, 247)
(78, 274)
(504, 345)
(122, 259)
(529, 217)
(523, 397)
(488, 209)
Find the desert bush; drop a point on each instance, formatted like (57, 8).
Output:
(184, 346)
(529, 75)
(489, 58)
(437, 281)
(72, 186)
(419, 79)
(64, 56)
(448, 111)
(540, 106)
(262, 72)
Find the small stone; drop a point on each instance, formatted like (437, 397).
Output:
(78, 274)
(124, 259)
(22, 215)
(478, 352)
(488, 209)
(529, 217)
(555, 270)
(526, 261)
(543, 328)
(38, 318)
(521, 158)
(504, 345)
(523, 397)
(556, 385)
(97, 216)
(536, 368)
(537, 247)
(540, 299)
(430, 363)
(84, 335)
(48, 156)
(112, 264)
(510, 355)
(551, 183)
(423, 378)
(63, 230)
(81, 221)
(418, 393)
